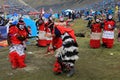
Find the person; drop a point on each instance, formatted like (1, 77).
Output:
(0, 35)
(119, 35)
(96, 29)
(54, 42)
(25, 29)
(108, 32)
(49, 31)
(1, 21)
(29, 30)
(41, 33)
(73, 15)
(16, 35)
(67, 52)
(89, 23)
(119, 15)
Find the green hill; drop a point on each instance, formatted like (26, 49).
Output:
(59, 4)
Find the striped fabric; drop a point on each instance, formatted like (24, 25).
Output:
(68, 52)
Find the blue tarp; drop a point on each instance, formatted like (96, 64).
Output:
(47, 15)
(28, 22)
(56, 15)
(3, 33)
(32, 24)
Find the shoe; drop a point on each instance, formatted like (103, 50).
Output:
(57, 73)
(71, 72)
(104, 45)
(22, 66)
(14, 67)
(25, 49)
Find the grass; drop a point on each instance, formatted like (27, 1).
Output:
(93, 64)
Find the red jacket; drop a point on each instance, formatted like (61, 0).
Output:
(57, 42)
(14, 33)
(96, 27)
(41, 27)
(109, 25)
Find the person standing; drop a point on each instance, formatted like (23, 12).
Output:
(16, 36)
(119, 15)
(119, 35)
(42, 42)
(96, 29)
(108, 32)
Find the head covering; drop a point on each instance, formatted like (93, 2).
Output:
(68, 30)
(21, 24)
(61, 19)
(97, 20)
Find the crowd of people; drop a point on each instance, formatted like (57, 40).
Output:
(106, 28)
(56, 36)
(59, 37)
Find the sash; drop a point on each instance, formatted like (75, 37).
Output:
(95, 36)
(18, 48)
(108, 34)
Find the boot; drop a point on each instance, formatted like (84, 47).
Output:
(21, 61)
(57, 68)
(71, 72)
(13, 59)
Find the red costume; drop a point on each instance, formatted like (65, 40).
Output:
(108, 33)
(95, 35)
(49, 32)
(17, 36)
(41, 37)
(67, 52)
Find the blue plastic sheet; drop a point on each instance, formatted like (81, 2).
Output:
(3, 33)
(32, 24)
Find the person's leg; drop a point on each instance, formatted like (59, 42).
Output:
(21, 61)
(57, 67)
(71, 68)
(13, 59)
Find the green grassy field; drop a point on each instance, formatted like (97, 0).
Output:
(93, 64)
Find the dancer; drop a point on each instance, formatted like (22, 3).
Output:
(67, 53)
(108, 32)
(16, 36)
(96, 29)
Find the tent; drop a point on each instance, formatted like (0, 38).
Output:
(32, 24)
(3, 43)
(56, 15)
(67, 11)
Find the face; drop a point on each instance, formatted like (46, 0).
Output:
(97, 20)
(21, 27)
(109, 17)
